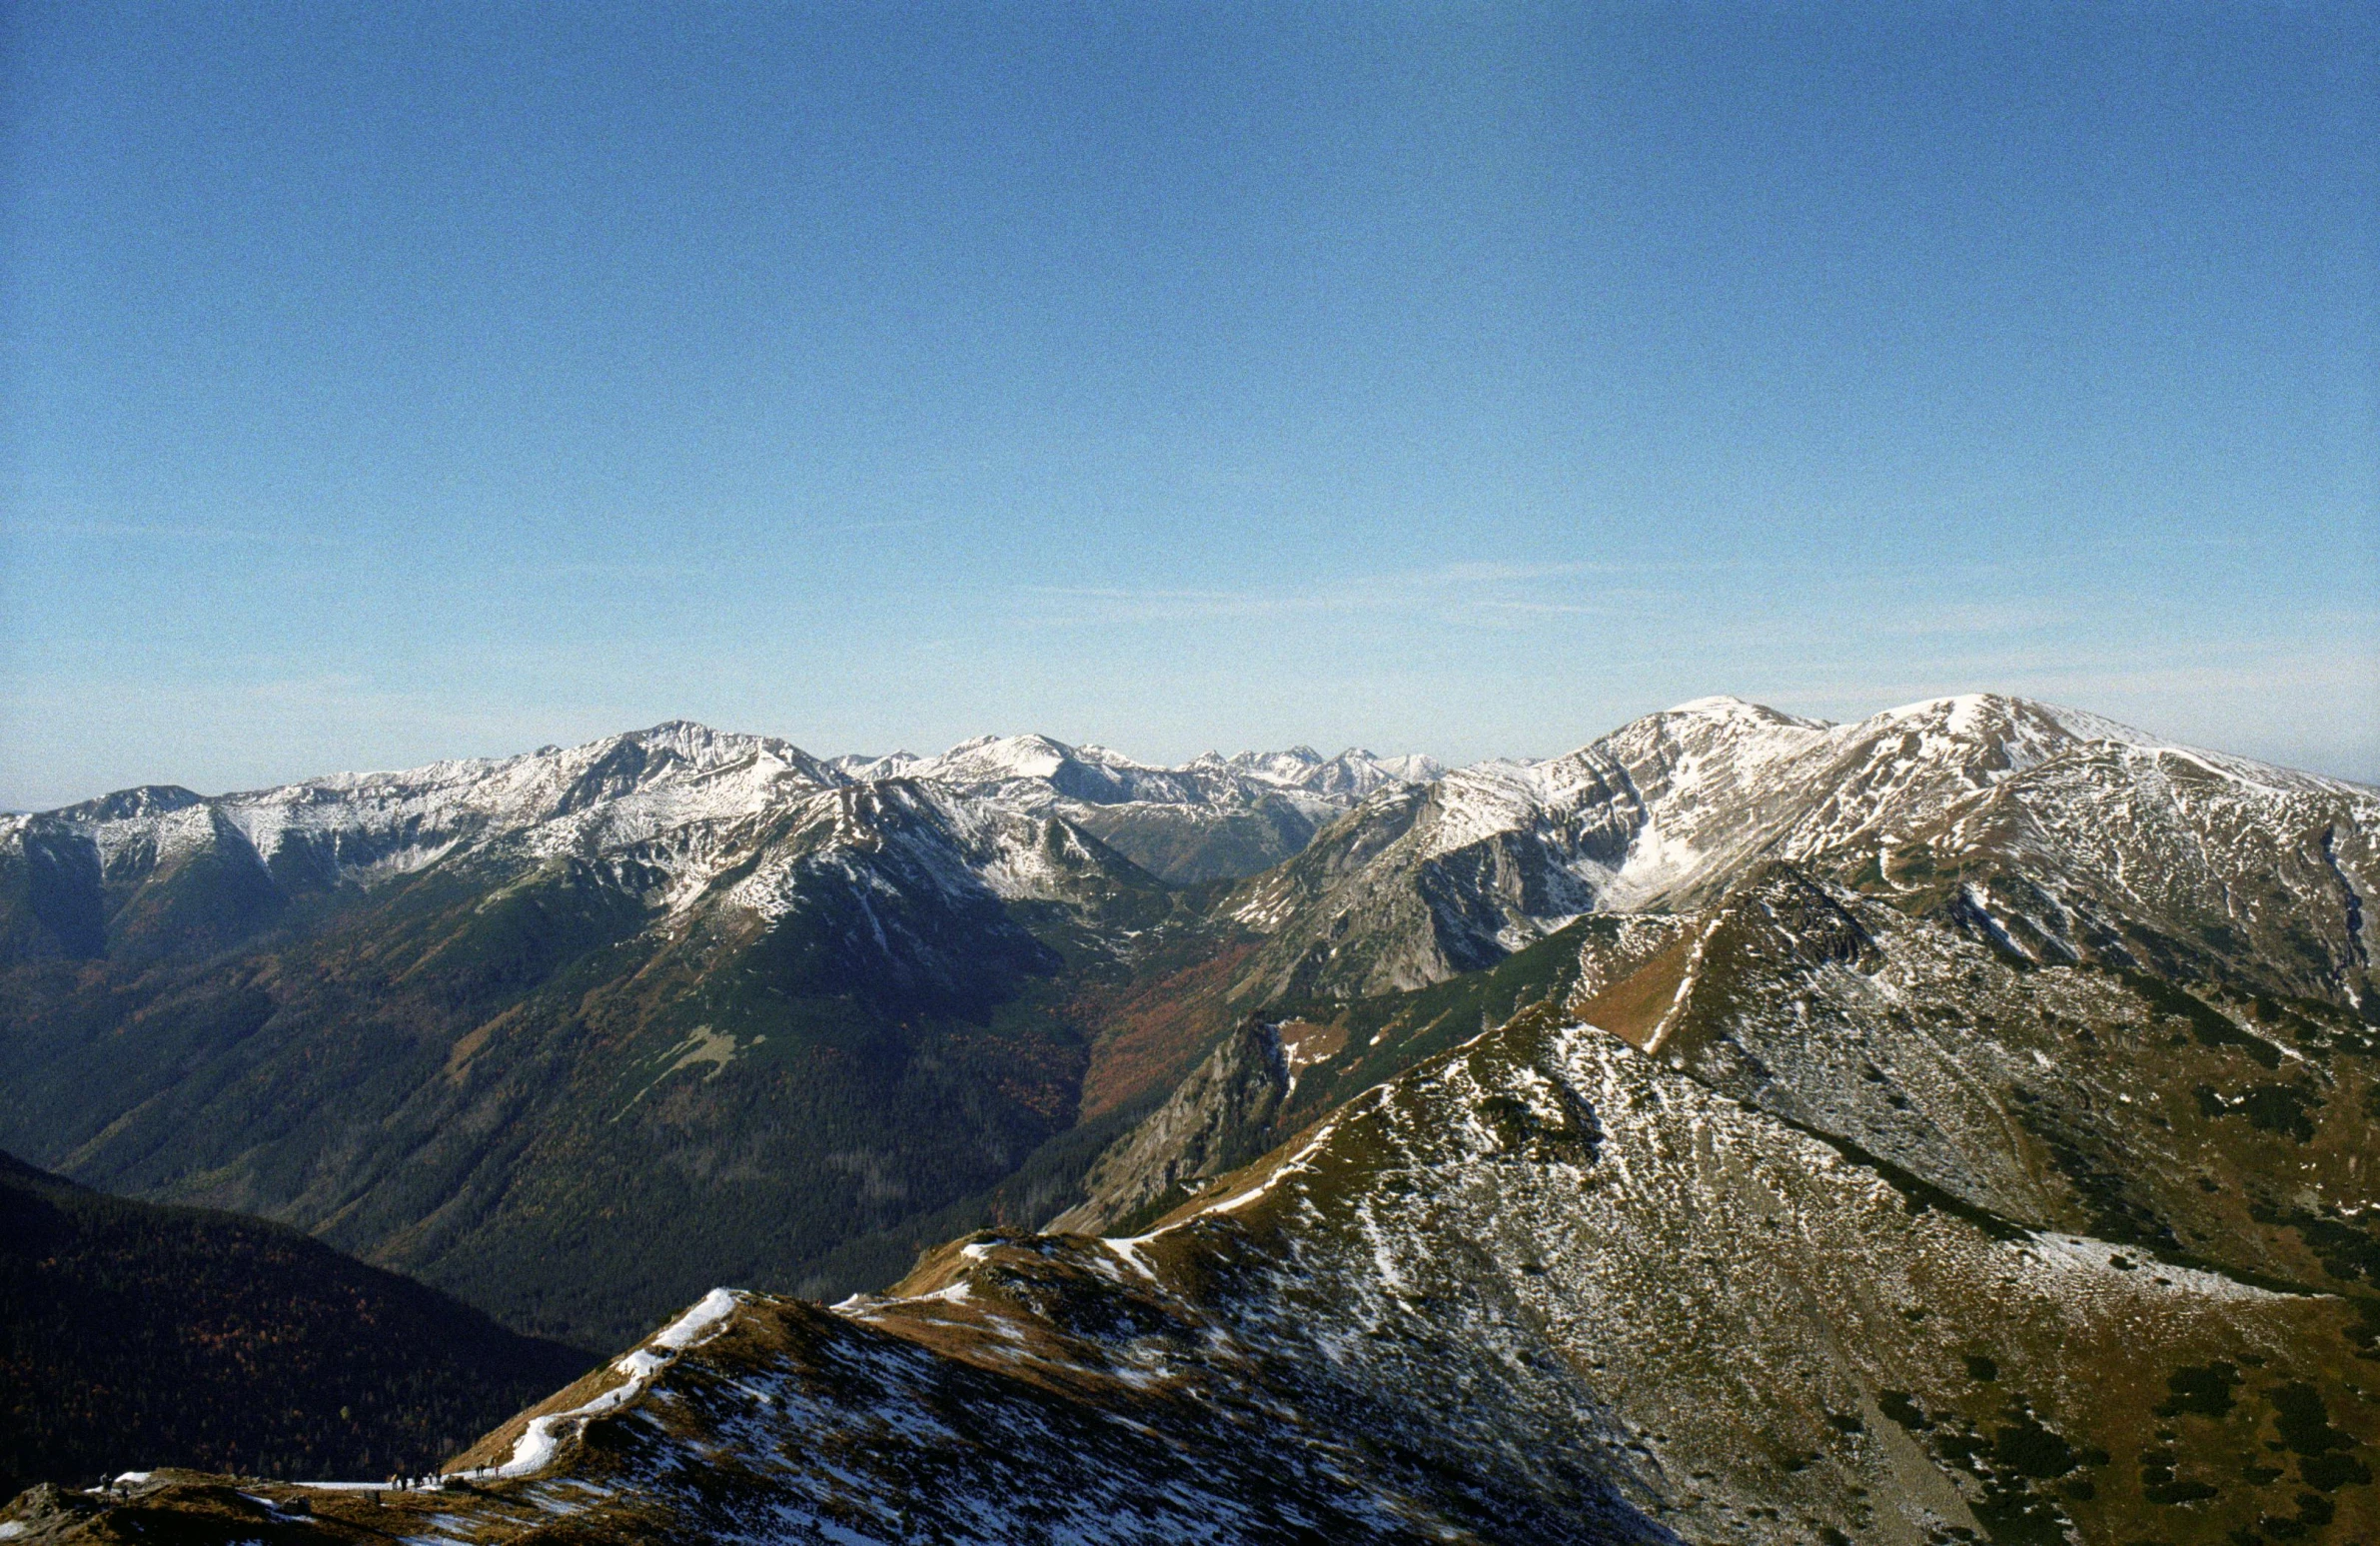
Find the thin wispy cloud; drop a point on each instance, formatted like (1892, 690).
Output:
(167, 532)
(1557, 608)
(1453, 589)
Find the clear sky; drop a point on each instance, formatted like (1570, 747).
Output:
(385, 382)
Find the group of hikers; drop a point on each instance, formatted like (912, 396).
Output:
(433, 1481)
(438, 1481)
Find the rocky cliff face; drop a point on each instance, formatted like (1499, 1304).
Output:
(1218, 1119)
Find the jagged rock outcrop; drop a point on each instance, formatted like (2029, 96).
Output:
(1216, 1120)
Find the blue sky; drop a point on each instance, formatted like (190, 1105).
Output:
(388, 382)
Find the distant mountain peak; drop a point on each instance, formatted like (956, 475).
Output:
(1728, 707)
(144, 799)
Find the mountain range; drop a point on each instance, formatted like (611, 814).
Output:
(448, 1017)
(1949, 1126)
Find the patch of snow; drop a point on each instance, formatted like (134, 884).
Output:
(707, 1313)
(535, 1448)
(2075, 1252)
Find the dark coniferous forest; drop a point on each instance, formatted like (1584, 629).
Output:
(138, 1335)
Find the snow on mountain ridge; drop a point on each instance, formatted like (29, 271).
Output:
(1104, 776)
(665, 816)
(631, 789)
(1668, 812)
(1651, 816)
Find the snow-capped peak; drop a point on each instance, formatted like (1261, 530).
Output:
(1721, 703)
(995, 758)
(863, 767)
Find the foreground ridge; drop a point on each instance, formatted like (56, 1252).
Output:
(1542, 1288)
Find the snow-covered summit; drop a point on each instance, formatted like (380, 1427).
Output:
(1100, 775)
(1668, 812)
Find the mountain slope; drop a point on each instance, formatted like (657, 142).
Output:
(1994, 835)
(1950, 1126)
(2216, 1127)
(771, 1009)
(1542, 1288)
(1286, 1067)
(172, 1336)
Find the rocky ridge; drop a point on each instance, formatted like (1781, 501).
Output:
(670, 810)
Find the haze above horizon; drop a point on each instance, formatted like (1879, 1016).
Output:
(391, 384)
